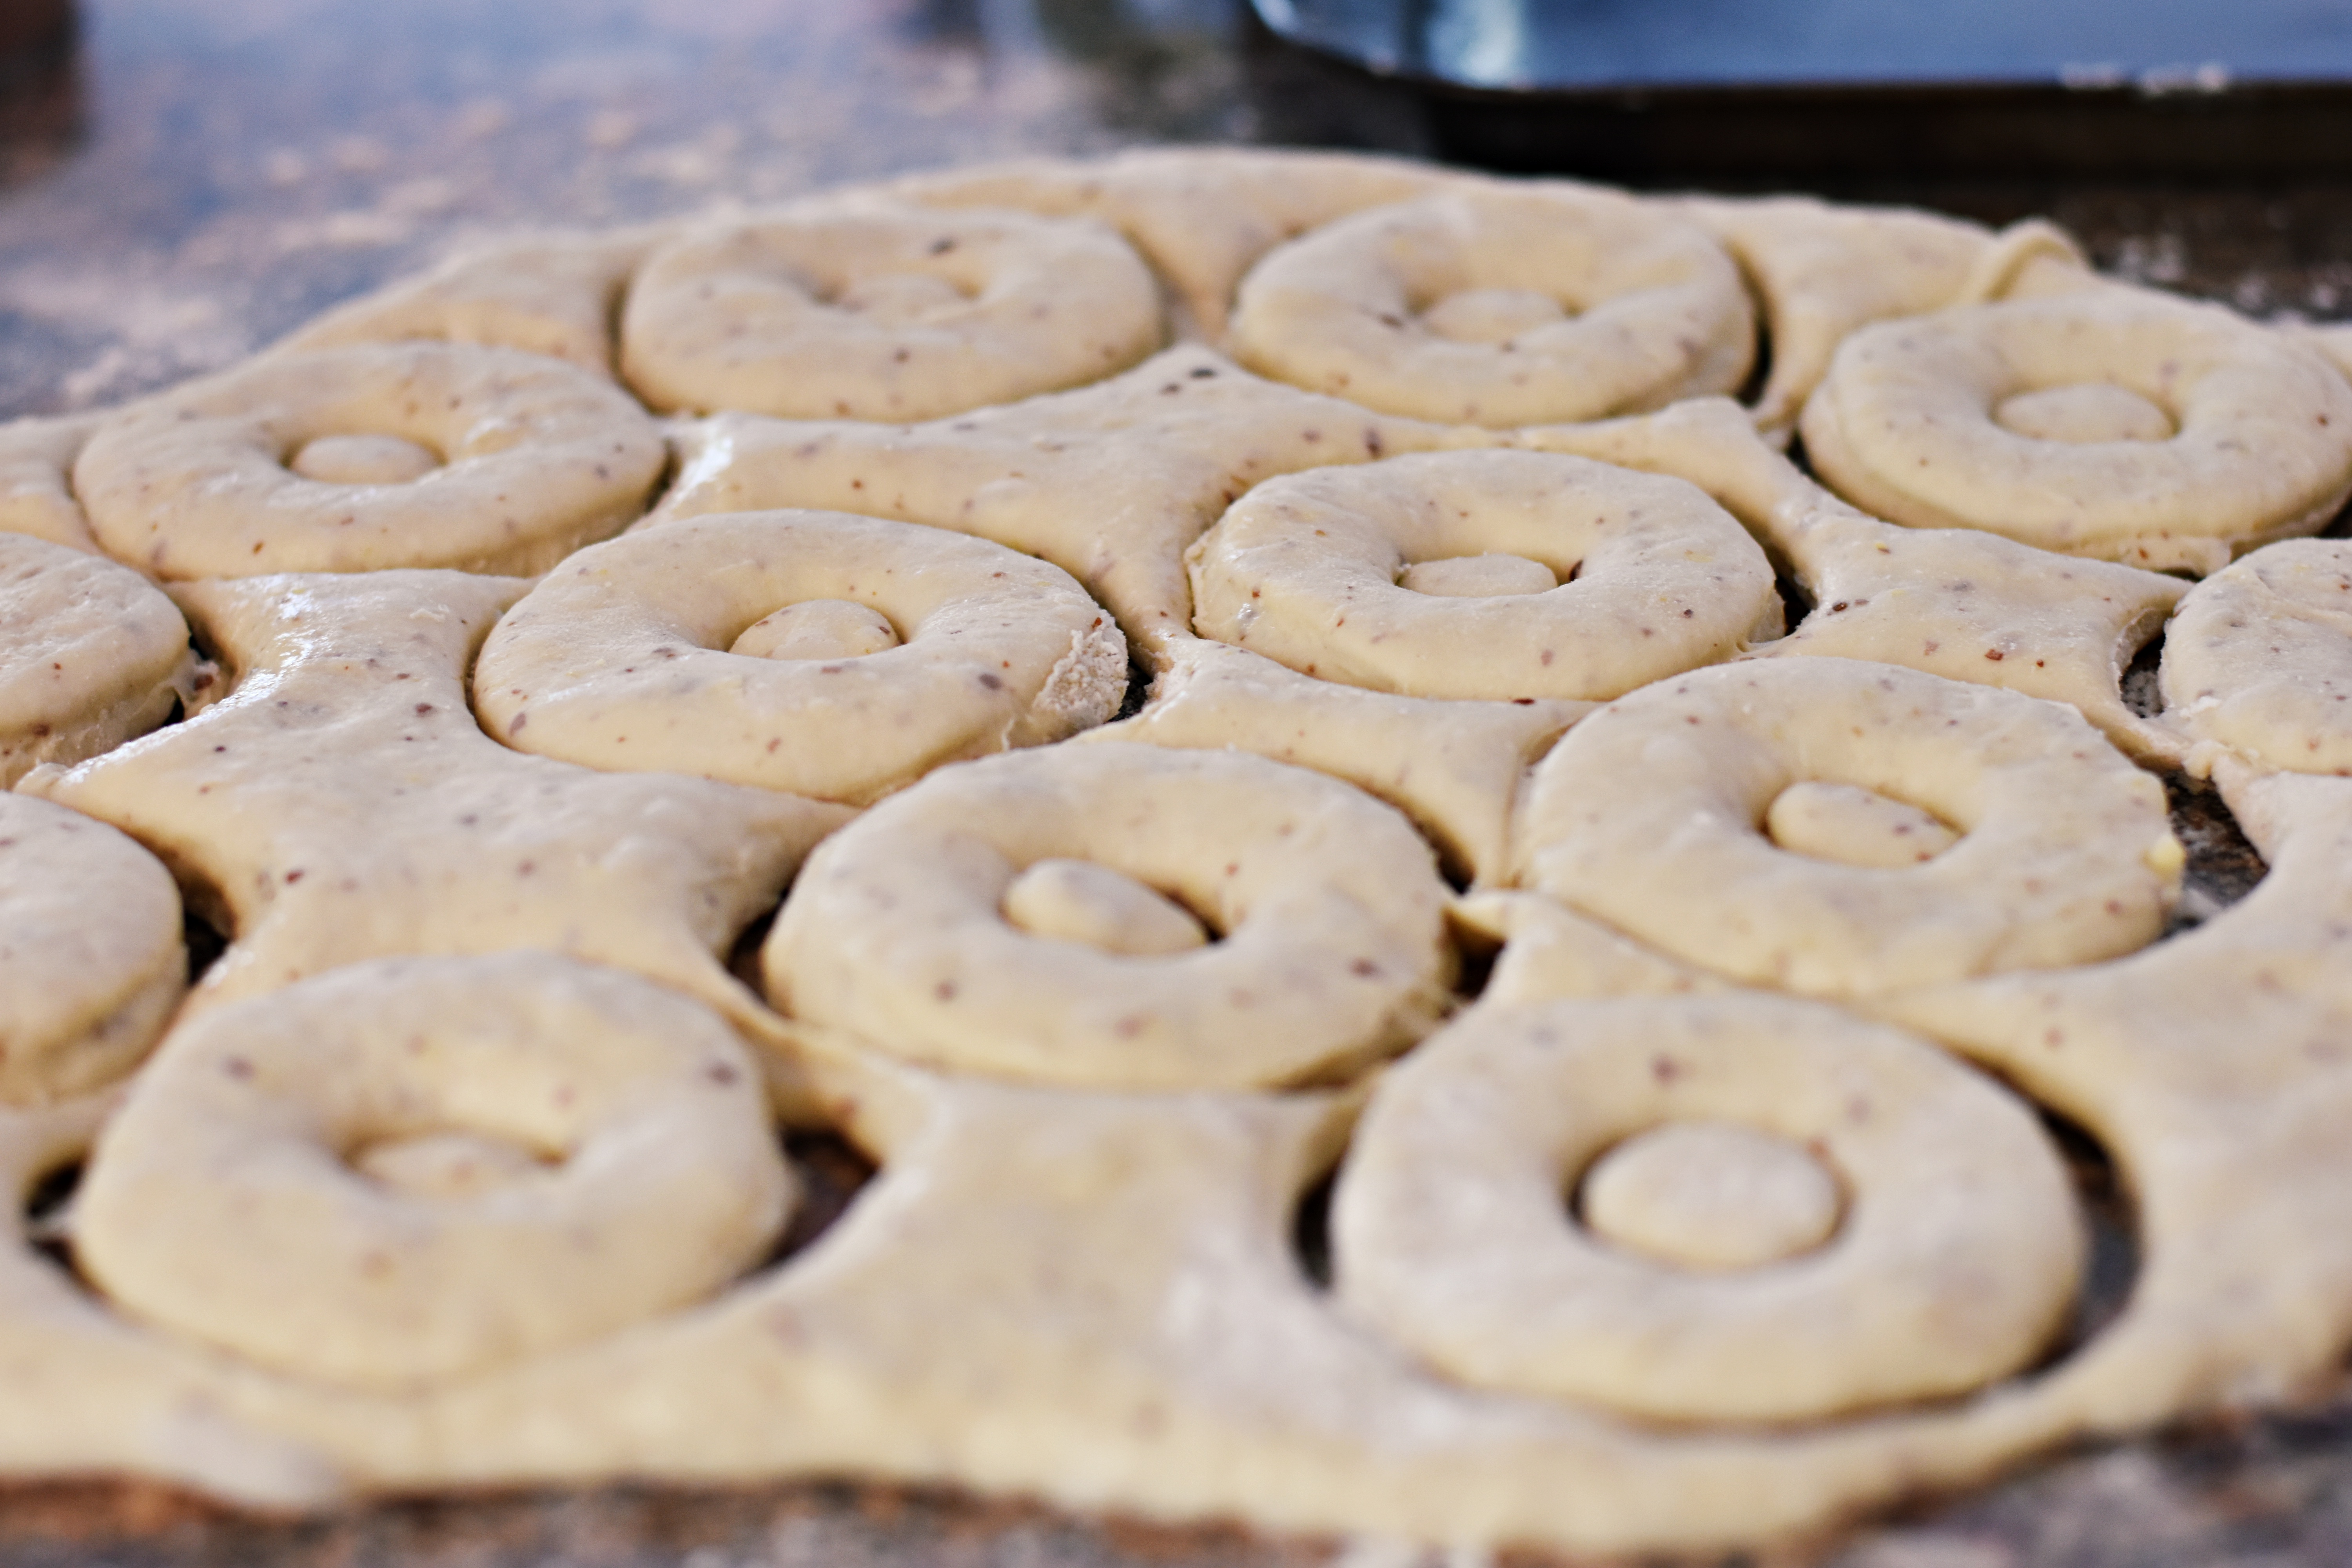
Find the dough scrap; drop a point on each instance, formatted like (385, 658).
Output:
(621, 659)
(1454, 768)
(1903, 426)
(37, 497)
(537, 457)
(1716, 1195)
(1644, 577)
(1110, 482)
(229, 1200)
(91, 961)
(2259, 660)
(1648, 816)
(1501, 306)
(1327, 909)
(92, 654)
(870, 310)
(1956, 1264)
(1957, 603)
(341, 803)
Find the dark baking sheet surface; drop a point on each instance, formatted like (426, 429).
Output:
(195, 178)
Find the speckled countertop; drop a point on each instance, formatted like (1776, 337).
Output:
(195, 177)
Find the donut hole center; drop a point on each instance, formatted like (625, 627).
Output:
(1855, 826)
(1081, 902)
(363, 459)
(2083, 413)
(899, 298)
(1711, 1195)
(1492, 316)
(818, 629)
(1492, 576)
(446, 1166)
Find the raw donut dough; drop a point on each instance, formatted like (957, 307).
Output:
(1454, 767)
(1550, 953)
(37, 459)
(1710, 1195)
(1328, 908)
(220, 1203)
(1501, 306)
(2259, 660)
(870, 310)
(1957, 603)
(91, 655)
(539, 457)
(91, 963)
(1854, 825)
(1200, 216)
(340, 803)
(1652, 577)
(627, 659)
(1646, 818)
(1956, 1262)
(1903, 426)
(1110, 482)
(555, 294)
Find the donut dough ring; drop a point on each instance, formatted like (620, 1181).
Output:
(221, 1204)
(1328, 905)
(553, 294)
(1454, 768)
(1200, 216)
(1646, 818)
(1902, 428)
(870, 310)
(91, 961)
(540, 459)
(620, 660)
(1313, 571)
(92, 654)
(1824, 270)
(1110, 482)
(1957, 1261)
(1615, 306)
(1957, 602)
(37, 459)
(2259, 660)
(340, 803)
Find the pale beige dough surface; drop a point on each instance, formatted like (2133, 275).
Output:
(1958, 603)
(871, 310)
(1648, 816)
(2259, 660)
(37, 459)
(92, 654)
(1454, 768)
(1501, 306)
(1110, 482)
(1710, 1195)
(340, 803)
(530, 458)
(1641, 577)
(91, 963)
(231, 1200)
(628, 657)
(1326, 908)
(1955, 1264)
(2258, 443)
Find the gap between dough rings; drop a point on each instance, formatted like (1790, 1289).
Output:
(766, 649)
(2110, 423)
(92, 654)
(1500, 308)
(1955, 1263)
(413, 1169)
(354, 459)
(91, 957)
(1650, 815)
(2258, 660)
(875, 310)
(1122, 916)
(1497, 576)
